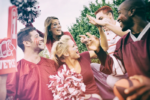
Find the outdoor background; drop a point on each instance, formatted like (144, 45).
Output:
(71, 14)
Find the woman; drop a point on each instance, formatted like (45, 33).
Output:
(66, 51)
(53, 32)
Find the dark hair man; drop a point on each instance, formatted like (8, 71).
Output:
(132, 54)
(30, 82)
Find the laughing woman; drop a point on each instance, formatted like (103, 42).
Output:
(66, 51)
(53, 32)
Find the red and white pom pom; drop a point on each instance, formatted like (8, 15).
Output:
(67, 84)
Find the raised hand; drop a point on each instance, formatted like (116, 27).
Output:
(96, 22)
(93, 43)
(141, 91)
(83, 39)
(92, 20)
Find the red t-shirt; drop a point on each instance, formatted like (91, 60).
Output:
(86, 72)
(31, 81)
(131, 53)
(50, 43)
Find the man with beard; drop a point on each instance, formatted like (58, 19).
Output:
(30, 82)
(108, 39)
(132, 54)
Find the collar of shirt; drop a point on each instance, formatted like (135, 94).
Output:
(141, 34)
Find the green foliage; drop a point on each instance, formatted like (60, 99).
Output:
(82, 24)
(44, 53)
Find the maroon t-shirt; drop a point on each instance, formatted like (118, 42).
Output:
(134, 55)
(86, 72)
(31, 81)
(50, 43)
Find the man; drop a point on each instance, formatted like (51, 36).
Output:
(108, 40)
(113, 33)
(30, 82)
(132, 54)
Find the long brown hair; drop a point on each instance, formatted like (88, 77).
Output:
(48, 34)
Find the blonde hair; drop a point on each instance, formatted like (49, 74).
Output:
(59, 48)
(47, 24)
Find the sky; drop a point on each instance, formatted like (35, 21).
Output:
(66, 10)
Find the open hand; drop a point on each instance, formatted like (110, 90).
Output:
(84, 39)
(97, 22)
(93, 42)
(141, 91)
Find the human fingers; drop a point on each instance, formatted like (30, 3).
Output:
(133, 89)
(92, 22)
(88, 34)
(138, 93)
(146, 96)
(83, 40)
(90, 18)
(82, 36)
(137, 77)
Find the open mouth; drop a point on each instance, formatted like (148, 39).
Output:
(59, 30)
(77, 52)
(41, 43)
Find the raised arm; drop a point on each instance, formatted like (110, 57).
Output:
(116, 29)
(103, 39)
(92, 54)
(104, 23)
(110, 64)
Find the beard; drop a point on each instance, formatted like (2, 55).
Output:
(127, 24)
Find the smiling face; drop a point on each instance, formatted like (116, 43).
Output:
(124, 18)
(101, 16)
(55, 27)
(73, 50)
(37, 42)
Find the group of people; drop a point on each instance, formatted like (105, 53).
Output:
(123, 50)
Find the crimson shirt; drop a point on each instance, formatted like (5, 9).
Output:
(50, 43)
(30, 82)
(131, 53)
(87, 73)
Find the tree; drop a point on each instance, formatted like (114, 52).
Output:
(82, 24)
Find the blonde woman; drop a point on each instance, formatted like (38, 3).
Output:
(66, 51)
(53, 32)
